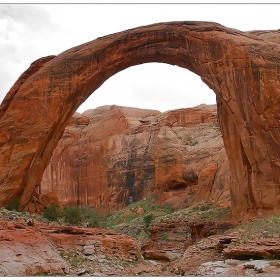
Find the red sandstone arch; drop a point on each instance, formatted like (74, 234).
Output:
(242, 68)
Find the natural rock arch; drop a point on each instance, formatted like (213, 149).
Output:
(242, 68)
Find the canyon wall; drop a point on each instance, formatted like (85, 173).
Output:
(111, 156)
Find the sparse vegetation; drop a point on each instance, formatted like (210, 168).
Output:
(73, 215)
(51, 213)
(15, 205)
(164, 237)
(130, 221)
(74, 258)
(217, 125)
(148, 219)
(89, 216)
(129, 214)
(265, 228)
(169, 209)
(135, 225)
(190, 141)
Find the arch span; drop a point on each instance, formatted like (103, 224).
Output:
(241, 67)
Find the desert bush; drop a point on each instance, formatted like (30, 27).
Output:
(206, 206)
(164, 237)
(148, 219)
(14, 205)
(94, 222)
(73, 215)
(89, 216)
(169, 209)
(87, 212)
(51, 213)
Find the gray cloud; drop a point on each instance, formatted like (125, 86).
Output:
(30, 16)
(23, 29)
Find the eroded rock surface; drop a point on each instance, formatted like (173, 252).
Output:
(26, 252)
(231, 255)
(232, 267)
(52, 249)
(168, 241)
(241, 67)
(46, 248)
(112, 156)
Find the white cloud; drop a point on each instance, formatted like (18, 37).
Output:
(152, 86)
(21, 26)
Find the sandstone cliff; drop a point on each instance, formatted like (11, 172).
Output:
(111, 156)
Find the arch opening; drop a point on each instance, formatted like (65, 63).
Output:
(157, 86)
(225, 59)
(126, 154)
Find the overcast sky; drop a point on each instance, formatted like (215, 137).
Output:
(31, 31)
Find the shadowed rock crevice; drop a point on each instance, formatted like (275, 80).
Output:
(242, 68)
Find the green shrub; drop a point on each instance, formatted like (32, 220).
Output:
(73, 215)
(164, 237)
(206, 207)
(169, 209)
(51, 213)
(148, 219)
(15, 205)
(87, 212)
(89, 216)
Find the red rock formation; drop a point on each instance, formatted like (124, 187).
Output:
(125, 154)
(167, 241)
(25, 252)
(241, 68)
(37, 250)
(201, 230)
(40, 201)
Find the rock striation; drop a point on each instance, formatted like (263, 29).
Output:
(112, 156)
(242, 68)
(53, 249)
(25, 252)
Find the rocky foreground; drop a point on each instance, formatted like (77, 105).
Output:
(33, 246)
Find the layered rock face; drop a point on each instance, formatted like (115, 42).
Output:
(111, 156)
(42, 249)
(242, 68)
